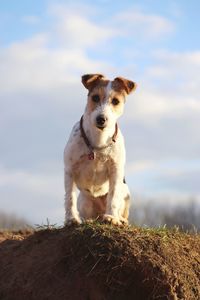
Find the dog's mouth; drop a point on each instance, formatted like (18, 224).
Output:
(100, 127)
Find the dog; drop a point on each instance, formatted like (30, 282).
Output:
(94, 157)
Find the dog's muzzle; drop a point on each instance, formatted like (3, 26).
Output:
(101, 121)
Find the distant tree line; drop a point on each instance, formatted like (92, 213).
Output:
(154, 213)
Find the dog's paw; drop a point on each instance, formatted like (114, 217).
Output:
(89, 221)
(70, 221)
(93, 220)
(123, 221)
(112, 220)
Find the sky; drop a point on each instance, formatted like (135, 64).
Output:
(45, 47)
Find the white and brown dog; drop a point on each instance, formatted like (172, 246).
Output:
(94, 156)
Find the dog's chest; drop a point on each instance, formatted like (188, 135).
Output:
(92, 175)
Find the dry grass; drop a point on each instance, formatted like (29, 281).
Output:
(98, 261)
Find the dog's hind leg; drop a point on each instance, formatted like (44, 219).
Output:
(85, 206)
(91, 207)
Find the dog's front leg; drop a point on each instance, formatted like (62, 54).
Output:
(71, 211)
(114, 196)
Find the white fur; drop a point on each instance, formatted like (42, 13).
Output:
(100, 181)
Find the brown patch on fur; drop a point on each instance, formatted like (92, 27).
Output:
(91, 106)
(123, 84)
(91, 80)
(99, 87)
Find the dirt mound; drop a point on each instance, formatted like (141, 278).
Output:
(99, 262)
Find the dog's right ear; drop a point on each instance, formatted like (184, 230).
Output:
(90, 80)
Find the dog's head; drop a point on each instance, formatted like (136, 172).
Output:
(106, 98)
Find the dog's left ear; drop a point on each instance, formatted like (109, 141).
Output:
(125, 84)
(90, 80)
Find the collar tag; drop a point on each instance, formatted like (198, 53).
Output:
(91, 155)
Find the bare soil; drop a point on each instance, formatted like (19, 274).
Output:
(99, 262)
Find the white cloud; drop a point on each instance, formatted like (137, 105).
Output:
(34, 63)
(170, 88)
(31, 64)
(140, 166)
(36, 196)
(86, 26)
(152, 106)
(178, 72)
(165, 176)
(78, 31)
(76, 28)
(30, 181)
(137, 24)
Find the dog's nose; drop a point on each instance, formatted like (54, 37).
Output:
(101, 120)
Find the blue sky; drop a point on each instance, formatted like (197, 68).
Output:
(45, 46)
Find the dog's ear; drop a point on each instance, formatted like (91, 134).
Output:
(125, 84)
(90, 80)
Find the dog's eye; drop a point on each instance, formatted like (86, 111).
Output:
(115, 101)
(95, 98)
